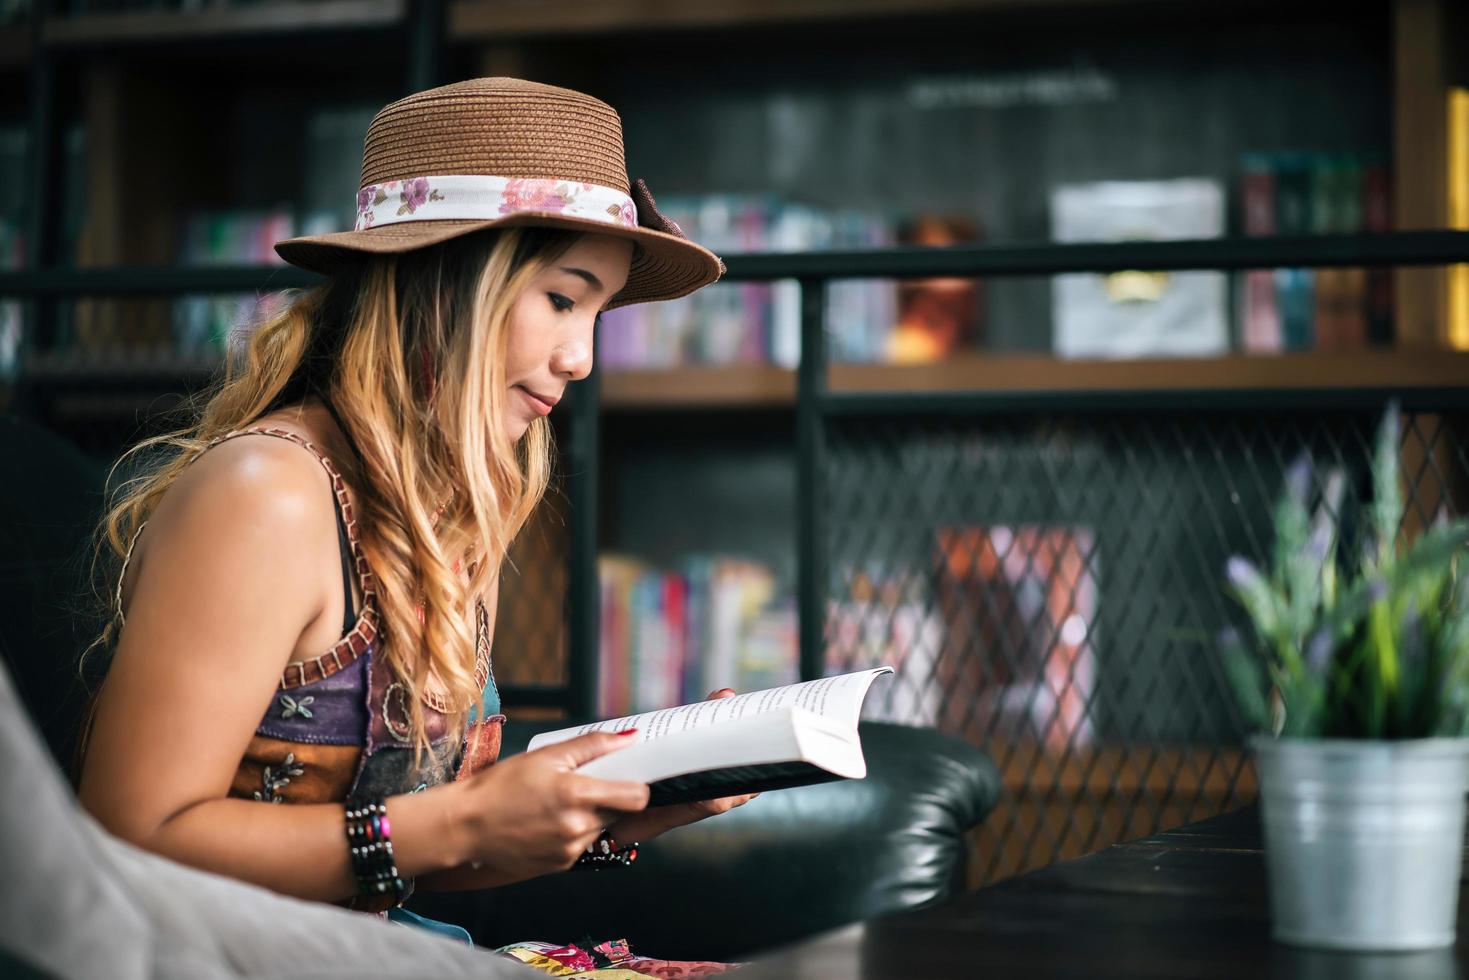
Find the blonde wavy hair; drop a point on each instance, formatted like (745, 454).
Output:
(411, 351)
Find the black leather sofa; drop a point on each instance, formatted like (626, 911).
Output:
(786, 865)
(789, 864)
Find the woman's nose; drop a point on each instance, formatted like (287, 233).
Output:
(572, 359)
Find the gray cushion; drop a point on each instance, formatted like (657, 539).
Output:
(81, 903)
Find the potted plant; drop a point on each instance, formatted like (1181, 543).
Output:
(1355, 665)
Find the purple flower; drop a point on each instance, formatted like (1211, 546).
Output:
(415, 193)
(1318, 651)
(364, 199)
(1243, 575)
(1319, 544)
(530, 194)
(1298, 479)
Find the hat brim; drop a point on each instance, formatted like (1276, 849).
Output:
(664, 266)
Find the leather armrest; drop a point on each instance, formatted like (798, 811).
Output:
(788, 864)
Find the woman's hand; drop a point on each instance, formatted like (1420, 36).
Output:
(650, 823)
(532, 814)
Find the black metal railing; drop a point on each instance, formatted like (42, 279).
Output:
(1043, 568)
(1049, 585)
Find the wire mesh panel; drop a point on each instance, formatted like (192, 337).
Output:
(1049, 587)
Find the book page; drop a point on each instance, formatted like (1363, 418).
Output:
(837, 698)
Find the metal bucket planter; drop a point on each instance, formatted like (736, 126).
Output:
(1363, 840)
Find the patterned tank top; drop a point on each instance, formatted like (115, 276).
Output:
(338, 724)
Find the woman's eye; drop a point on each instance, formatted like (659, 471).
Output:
(561, 303)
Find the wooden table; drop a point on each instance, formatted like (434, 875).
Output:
(1187, 903)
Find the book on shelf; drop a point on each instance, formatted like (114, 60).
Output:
(669, 635)
(756, 322)
(1377, 216)
(204, 325)
(1458, 202)
(788, 736)
(1314, 309)
(1138, 314)
(1028, 596)
(880, 615)
(937, 316)
(1260, 328)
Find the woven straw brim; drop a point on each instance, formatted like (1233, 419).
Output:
(664, 266)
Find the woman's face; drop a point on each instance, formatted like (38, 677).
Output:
(551, 340)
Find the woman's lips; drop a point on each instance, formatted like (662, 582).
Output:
(539, 405)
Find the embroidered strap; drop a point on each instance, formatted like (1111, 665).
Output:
(126, 559)
(365, 630)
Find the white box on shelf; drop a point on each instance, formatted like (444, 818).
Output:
(1139, 314)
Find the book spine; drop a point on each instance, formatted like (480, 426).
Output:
(1352, 283)
(1260, 333)
(1377, 216)
(1458, 201)
(1294, 287)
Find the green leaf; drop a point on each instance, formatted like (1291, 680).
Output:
(1292, 520)
(1434, 550)
(1387, 495)
(1242, 670)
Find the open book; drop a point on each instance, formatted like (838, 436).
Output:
(786, 736)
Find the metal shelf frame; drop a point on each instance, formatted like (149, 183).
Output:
(45, 283)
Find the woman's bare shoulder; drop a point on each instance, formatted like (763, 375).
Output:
(254, 505)
(252, 478)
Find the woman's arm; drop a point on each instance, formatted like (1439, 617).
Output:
(235, 572)
(240, 570)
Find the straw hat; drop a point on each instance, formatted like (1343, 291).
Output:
(503, 152)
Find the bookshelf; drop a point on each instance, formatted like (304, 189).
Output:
(1018, 373)
(751, 387)
(476, 20)
(678, 459)
(263, 21)
(768, 387)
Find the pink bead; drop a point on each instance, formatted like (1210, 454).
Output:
(387, 828)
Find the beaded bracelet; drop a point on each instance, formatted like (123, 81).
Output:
(369, 840)
(604, 853)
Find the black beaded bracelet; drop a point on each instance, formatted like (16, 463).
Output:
(370, 843)
(605, 853)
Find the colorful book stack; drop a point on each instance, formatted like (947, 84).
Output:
(669, 637)
(755, 323)
(1321, 309)
(880, 621)
(1025, 599)
(202, 325)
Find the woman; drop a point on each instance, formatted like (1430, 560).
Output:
(308, 584)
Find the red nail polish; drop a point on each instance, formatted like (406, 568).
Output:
(628, 731)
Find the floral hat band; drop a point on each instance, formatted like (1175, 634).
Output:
(511, 153)
(486, 197)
